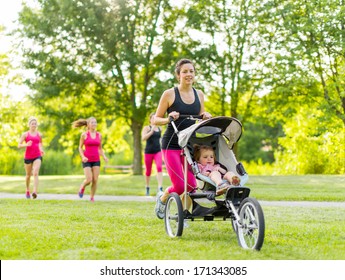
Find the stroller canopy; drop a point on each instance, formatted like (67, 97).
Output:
(230, 128)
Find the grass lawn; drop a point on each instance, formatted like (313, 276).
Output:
(114, 230)
(80, 230)
(298, 188)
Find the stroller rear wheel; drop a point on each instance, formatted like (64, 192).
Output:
(173, 216)
(251, 226)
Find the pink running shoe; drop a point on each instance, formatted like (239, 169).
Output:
(92, 199)
(27, 195)
(81, 192)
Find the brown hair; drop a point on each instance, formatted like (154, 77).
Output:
(199, 148)
(180, 63)
(82, 122)
(32, 118)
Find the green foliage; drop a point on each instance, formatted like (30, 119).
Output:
(310, 50)
(308, 148)
(258, 142)
(99, 58)
(12, 161)
(56, 163)
(226, 47)
(258, 167)
(14, 116)
(258, 61)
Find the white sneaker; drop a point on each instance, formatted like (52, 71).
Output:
(160, 206)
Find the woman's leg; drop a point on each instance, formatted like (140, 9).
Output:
(174, 164)
(148, 158)
(35, 171)
(28, 171)
(95, 175)
(159, 165)
(87, 180)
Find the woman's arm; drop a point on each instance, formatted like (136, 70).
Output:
(165, 102)
(81, 144)
(147, 133)
(21, 140)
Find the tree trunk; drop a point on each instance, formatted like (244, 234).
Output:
(137, 153)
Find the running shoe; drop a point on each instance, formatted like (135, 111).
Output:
(160, 206)
(222, 188)
(92, 199)
(27, 195)
(81, 192)
(160, 189)
(147, 191)
(34, 195)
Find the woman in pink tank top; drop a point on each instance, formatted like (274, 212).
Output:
(90, 149)
(33, 155)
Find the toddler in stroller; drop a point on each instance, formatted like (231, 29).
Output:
(206, 159)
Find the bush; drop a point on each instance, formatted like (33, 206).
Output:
(12, 161)
(258, 168)
(311, 148)
(54, 163)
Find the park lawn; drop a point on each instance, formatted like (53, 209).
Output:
(291, 188)
(80, 230)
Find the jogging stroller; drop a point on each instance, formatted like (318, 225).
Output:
(245, 213)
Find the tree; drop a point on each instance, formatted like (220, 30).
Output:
(103, 56)
(308, 42)
(12, 118)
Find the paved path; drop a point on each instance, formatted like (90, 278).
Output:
(152, 199)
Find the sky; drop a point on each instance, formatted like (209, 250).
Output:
(8, 15)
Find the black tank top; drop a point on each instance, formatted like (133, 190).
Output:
(152, 144)
(169, 139)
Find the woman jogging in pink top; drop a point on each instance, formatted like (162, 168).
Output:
(90, 149)
(33, 155)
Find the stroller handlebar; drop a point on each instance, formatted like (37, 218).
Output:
(191, 117)
(186, 117)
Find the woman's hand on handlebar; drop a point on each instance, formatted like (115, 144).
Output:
(173, 116)
(206, 115)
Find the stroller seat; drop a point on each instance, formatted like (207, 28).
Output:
(229, 162)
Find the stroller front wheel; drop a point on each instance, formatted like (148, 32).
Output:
(173, 216)
(251, 227)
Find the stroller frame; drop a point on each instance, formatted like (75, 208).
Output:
(245, 213)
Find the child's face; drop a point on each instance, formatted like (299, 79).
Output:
(206, 157)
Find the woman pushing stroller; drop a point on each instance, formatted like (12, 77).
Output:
(184, 100)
